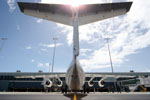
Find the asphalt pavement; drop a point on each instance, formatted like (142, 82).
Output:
(72, 96)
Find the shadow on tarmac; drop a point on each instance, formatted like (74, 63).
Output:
(79, 96)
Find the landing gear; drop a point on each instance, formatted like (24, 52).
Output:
(65, 89)
(85, 89)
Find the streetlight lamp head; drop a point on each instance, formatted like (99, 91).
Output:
(4, 38)
(55, 38)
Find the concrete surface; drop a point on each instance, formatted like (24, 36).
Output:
(70, 96)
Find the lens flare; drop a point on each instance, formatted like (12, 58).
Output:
(74, 3)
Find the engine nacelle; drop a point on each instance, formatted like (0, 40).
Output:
(48, 83)
(101, 83)
(59, 83)
(90, 82)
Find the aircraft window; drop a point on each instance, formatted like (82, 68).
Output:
(2, 77)
(94, 79)
(146, 76)
(8, 77)
(87, 78)
(98, 78)
(62, 78)
(38, 79)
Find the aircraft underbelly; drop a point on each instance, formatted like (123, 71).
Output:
(75, 76)
(75, 84)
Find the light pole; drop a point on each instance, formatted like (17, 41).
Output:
(54, 52)
(111, 62)
(3, 41)
(49, 67)
(110, 54)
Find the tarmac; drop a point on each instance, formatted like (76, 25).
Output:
(73, 96)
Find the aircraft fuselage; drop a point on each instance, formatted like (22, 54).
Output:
(75, 74)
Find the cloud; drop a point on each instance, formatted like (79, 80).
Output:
(11, 4)
(44, 50)
(129, 35)
(84, 51)
(32, 60)
(28, 47)
(44, 65)
(18, 27)
(86, 34)
(51, 45)
(67, 31)
(40, 64)
(39, 20)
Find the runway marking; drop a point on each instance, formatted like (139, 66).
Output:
(75, 96)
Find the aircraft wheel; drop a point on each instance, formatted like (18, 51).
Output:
(66, 91)
(62, 90)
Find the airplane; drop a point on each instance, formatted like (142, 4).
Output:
(75, 17)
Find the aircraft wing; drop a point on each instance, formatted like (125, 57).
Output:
(40, 76)
(88, 74)
(117, 75)
(87, 13)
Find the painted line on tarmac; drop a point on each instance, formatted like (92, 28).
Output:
(75, 96)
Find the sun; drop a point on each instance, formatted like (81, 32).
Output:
(74, 3)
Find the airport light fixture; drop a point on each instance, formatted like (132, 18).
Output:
(111, 61)
(50, 67)
(3, 41)
(4, 38)
(110, 54)
(55, 39)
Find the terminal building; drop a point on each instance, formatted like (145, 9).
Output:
(10, 82)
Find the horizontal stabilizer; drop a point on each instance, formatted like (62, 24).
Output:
(87, 13)
(96, 12)
(53, 12)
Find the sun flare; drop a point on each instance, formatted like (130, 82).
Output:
(73, 3)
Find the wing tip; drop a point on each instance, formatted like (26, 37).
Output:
(129, 6)
(20, 4)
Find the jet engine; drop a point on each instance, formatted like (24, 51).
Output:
(101, 83)
(48, 83)
(90, 82)
(59, 83)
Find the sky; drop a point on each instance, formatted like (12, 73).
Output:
(29, 44)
